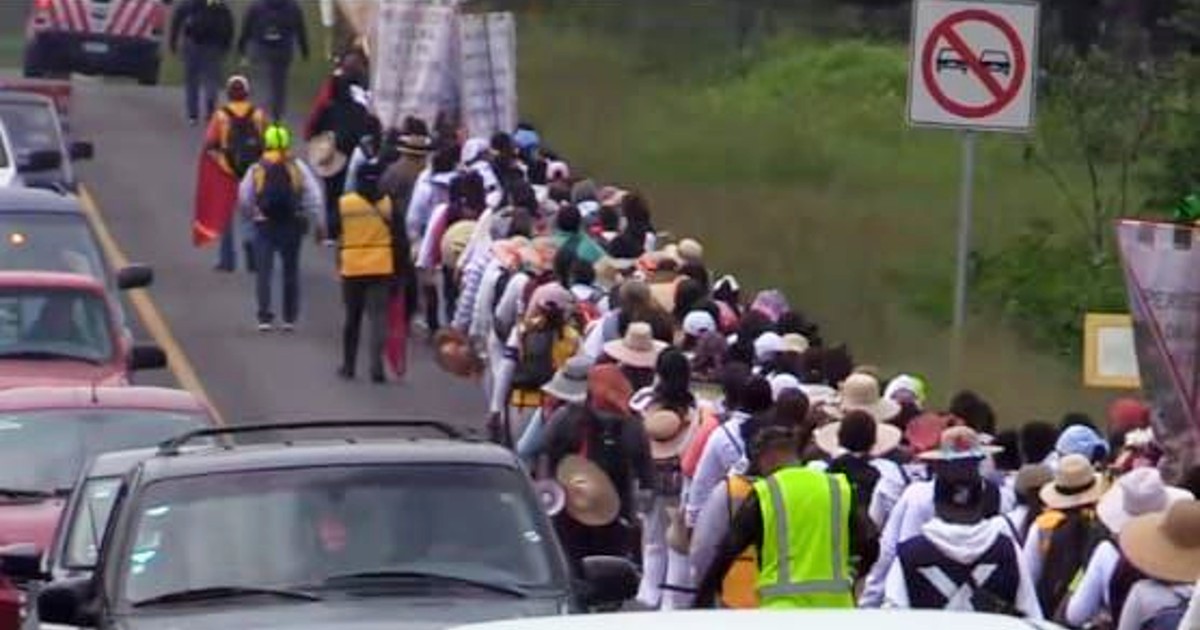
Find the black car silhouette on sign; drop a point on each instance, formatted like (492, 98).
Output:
(996, 61)
(950, 59)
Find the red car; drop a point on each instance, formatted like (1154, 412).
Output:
(48, 435)
(61, 329)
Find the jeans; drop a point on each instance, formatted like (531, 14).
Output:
(369, 295)
(270, 70)
(227, 252)
(202, 77)
(282, 239)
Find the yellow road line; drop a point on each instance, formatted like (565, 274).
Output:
(148, 311)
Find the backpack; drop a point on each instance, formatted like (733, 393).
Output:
(207, 22)
(862, 476)
(541, 353)
(243, 145)
(1169, 618)
(1067, 541)
(278, 191)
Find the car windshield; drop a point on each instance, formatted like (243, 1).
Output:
(44, 451)
(339, 527)
(49, 324)
(88, 522)
(31, 127)
(49, 242)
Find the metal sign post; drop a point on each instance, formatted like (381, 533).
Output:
(962, 259)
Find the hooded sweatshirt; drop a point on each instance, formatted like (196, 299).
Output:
(964, 544)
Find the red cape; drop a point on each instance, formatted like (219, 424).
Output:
(396, 348)
(216, 197)
(324, 96)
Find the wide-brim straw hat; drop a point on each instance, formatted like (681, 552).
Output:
(887, 438)
(592, 499)
(638, 348)
(860, 392)
(1165, 545)
(569, 384)
(453, 353)
(669, 433)
(960, 443)
(323, 156)
(1076, 484)
(1137, 492)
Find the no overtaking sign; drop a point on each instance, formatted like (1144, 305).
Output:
(972, 64)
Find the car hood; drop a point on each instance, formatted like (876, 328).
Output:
(15, 373)
(29, 521)
(367, 613)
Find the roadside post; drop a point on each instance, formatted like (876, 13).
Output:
(327, 21)
(972, 69)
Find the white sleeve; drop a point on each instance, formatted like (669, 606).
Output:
(417, 213)
(873, 589)
(1134, 614)
(246, 193)
(712, 525)
(1088, 599)
(504, 376)
(709, 472)
(1032, 553)
(895, 589)
(485, 298)
(593, 344)
(1191, 618)
(429, 244)
(1027, 599)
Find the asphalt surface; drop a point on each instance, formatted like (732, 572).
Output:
(142, 181)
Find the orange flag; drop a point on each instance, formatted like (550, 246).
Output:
(216, 197)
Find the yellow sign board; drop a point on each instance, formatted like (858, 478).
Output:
(1109, 354)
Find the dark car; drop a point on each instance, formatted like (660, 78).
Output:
(949, 59)
(326, 533)
(43, 154)
(106, 37)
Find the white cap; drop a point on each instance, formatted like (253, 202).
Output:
(697, 323)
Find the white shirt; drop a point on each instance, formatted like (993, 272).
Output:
(722, 452)
(1147, 598)
(893, 479)
(1091, 595)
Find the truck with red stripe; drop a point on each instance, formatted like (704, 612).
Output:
(101, 37)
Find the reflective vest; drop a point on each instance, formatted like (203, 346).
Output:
(366, 246)
(805, 558)
(739, 589)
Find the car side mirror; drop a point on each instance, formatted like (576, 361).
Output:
(147, 357)
(135, 277)
(38, 161)
(21, 562)
(81, 150)
(67, 603)
(611, 581)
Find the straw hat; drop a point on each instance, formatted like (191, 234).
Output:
(1076, 483)
(638, 348)
(795, 342)
(690, 250)
(887, 438)
(860, 392)
(668, 432)
(591, 497)
(1166, 545)
(415, 144)
(1138, 492)
(569, 383)
(1031, 478)
(959, 443)
(323, 156)
(453, 353)
(455, 240)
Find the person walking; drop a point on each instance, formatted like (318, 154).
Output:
(804, 525)
(206, 30)
(1165, 547)
(234, 139)
(282, 199)
(366, 265)
(337, 129)
(271, 31)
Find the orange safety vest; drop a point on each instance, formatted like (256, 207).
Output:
(740, 587)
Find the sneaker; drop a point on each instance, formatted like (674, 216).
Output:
(329, 242)
(265, 326)
(378, 377)
(193, 121)
(289, 327)
(345, 373)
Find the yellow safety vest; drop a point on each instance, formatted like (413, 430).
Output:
(805, 560)
(366, 246)
(740, 587)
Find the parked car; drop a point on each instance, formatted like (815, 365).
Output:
(848, 619)
(324, 533)
(36, 134)
(57, 90)
(45, 231)
(8, 163)
(105, 37)
(61, 329)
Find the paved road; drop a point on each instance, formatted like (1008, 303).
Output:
(142, 182)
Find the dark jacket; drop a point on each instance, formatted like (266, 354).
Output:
(266, 18)
(345, 117)
(220, 32)
(617, 444)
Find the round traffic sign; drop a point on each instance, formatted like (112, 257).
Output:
(972, 62)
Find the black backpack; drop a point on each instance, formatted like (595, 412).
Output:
(1070, 545)
(207, 22)
(244, 144)
(278, 197)
(860, 473)
(535, 359)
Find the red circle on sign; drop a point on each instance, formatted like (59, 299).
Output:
(1002, 96)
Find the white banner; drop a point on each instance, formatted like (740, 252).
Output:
(1160, 262)
(414, 59)
(488, 58)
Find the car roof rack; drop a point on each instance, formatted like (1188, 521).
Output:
(172, 446)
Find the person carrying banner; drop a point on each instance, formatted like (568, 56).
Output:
(232, 142)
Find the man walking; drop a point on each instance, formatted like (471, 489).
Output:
(282, 199)
(366, 264)
(234, 139)
(206, 28)
(270, 32)
(805, 526)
